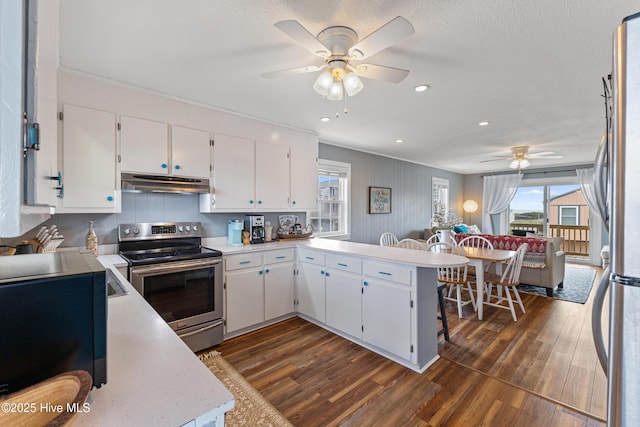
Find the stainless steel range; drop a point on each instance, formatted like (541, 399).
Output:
(179, 278)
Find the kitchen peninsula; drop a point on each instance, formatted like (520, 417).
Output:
(381, 298)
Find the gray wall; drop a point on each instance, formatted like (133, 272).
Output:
(410, 185)
(142, 207)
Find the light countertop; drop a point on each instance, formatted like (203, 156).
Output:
(377, 252)
(153, 378)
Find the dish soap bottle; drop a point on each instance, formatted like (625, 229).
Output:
(92, 240)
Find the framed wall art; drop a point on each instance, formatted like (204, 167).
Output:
(379, 200)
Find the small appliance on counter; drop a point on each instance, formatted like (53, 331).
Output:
(254, 224)
(54, 307)
(234, 232)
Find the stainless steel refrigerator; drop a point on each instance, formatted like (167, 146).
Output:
(617, 184)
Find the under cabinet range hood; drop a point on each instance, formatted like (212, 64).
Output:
(134, 182)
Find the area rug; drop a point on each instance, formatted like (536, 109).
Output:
(251, 409)
(577, 285)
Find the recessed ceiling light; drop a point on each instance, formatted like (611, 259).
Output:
(483, 124)
(399, 141)
(324, 119)
(421, 88)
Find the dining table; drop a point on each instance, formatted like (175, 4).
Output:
(477, 258)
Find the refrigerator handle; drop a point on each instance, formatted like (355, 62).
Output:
(600, 179)
(596, 318)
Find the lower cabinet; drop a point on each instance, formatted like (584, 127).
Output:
(386, 316)
(344, 302)
(258, 287)
(310, 290)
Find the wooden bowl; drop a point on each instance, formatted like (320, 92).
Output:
(47, 403)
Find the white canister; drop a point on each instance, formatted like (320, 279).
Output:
(268, 232)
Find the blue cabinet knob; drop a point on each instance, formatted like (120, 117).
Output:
(293, 203)
(250, 202)
(326, 274)
(267, 270)
(177, 167)
(164, 166)
(110, 198)
(260, 272)
(365, 283)
(322, 272)
(259, 202)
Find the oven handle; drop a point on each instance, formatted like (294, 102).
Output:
(206, 328)
(173, 267)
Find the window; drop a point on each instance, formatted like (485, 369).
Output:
(331, 218)
(569, 215)
(439, 195)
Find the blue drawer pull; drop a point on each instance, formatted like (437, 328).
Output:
(281, 257)
(342, 265)
(309, 257)
(385, 273)
(245, 262)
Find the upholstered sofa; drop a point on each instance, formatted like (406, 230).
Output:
(544, 262)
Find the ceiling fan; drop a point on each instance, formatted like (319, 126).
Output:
(340, 49)
(520, 156)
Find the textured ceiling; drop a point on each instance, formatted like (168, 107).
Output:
(532, 69)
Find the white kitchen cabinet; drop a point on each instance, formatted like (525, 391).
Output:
(272, 176)
(310, 284)
(144, 146)
(190, 152)
(344, 302)
(278, 290)
(304, 178)
(233, 175)
(386, 316)
(259, 287)
(88, 154)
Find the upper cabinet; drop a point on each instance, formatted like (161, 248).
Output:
(190, 152)
(90, 180)
(254, 175)
(304, 177)
(147, 146)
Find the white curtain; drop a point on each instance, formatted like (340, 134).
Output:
(497, 194)
(588, 189)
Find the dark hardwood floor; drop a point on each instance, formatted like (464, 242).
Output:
(539, 371)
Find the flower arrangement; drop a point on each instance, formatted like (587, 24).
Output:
(446, 220)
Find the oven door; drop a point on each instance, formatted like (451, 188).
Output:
(185, 294)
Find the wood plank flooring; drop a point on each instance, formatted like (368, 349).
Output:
(540, 371)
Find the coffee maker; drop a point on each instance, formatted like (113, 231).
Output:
(254, 224)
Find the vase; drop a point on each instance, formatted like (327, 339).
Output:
(444, 236)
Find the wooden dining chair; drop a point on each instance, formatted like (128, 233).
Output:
(388, 239)
(454, 277)
(474, 241)
(507, 282)
(412, 244)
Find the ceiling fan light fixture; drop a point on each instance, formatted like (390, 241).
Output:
(519, 164)
(323, 83)
(336, 91)
(352, 83)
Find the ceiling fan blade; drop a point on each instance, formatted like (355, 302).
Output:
(300, 34)
(538, 156)
(547, 154)
(390, 33)
(381, 72)
(495, 160)
(292, 71)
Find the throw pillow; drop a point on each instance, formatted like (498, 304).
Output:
(473, 229)
(461, 228)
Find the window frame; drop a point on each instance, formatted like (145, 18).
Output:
(576, 209)
(343, 170)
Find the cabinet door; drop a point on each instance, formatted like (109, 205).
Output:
(144, 146)
(88, 158)
(245, 298)
(304, 179)
(234, 172)
(272, 176)
(278, 290)
(190, 152)
(344, 302)
(310, 291)
(386, 315)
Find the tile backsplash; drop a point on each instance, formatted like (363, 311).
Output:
(143, 207)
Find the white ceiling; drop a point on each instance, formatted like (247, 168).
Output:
(531, 68)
